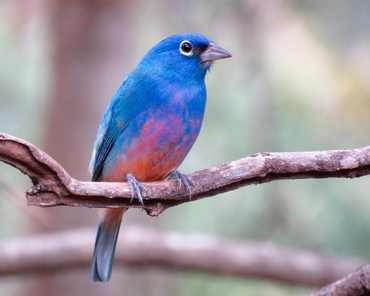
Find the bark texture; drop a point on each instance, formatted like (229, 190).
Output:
(52, 186)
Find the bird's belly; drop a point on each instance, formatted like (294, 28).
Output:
(152, 148)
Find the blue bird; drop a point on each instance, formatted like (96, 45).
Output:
(150, 126)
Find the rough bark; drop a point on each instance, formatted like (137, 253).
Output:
(52, 186)
(355, 284)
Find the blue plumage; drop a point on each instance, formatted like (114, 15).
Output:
(150, 125)
(105, 243)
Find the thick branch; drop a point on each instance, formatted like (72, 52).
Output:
(146, 248)
(52, 185)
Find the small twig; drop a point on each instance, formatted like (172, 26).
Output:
(16, 198)
(52, 185)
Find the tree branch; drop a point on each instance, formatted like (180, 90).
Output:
(52, 185)
(355, 284)
(147, 248)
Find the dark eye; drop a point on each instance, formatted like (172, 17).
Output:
(186, 48)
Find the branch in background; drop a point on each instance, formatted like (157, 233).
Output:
(52, 185)
(145, 248)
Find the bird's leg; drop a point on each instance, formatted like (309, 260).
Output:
(136, 187)
(182, 179)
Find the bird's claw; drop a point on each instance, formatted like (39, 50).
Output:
(182, 179)
(136, 188)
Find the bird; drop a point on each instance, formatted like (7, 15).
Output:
(149, 127)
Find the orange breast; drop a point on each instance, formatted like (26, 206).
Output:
(158, 149)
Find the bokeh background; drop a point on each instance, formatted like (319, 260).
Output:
(299, 80)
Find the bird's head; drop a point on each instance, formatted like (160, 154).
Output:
(187, 54)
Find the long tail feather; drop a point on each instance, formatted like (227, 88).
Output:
(105, 246)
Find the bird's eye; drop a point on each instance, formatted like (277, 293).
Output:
(186, 48)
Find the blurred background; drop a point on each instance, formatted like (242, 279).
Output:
(299, 80)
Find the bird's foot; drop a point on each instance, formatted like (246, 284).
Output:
(182, 179)
(136, 188)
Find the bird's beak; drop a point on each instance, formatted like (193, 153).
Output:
(214, 52)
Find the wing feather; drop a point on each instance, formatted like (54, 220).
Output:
(129, 101)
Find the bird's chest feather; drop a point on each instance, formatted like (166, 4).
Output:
(157, 141)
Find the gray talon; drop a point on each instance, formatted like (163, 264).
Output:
(182, 179)
(136, 187)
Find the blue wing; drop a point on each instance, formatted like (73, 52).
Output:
(105, 138)
(134, 96)
(104, 141)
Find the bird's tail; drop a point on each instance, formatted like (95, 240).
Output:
(105, 245)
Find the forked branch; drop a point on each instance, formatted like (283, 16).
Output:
(52, 186)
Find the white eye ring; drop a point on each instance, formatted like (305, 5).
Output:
(186, 48)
